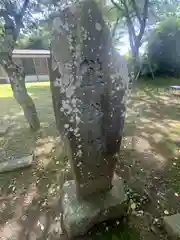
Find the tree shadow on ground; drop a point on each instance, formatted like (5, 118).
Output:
(33, 197)
(35, 209)
(30, 204)
(19, 140)
(16, 144)
(149, 156)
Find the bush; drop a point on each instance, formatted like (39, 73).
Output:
(164, 47)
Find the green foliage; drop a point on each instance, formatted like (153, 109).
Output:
(162, 9)
(37, 39)
(37, 43)
(164, 46)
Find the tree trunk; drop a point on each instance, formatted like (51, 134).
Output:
(12, 27)
(136, 62)
(17, 81)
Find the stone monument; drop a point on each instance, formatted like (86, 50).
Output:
(89, 83)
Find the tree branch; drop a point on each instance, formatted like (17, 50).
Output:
(131, 41)
(111, 9)
(8, 21)
(117, 6)
(143, 23)
(11, 30)
(131, 30)
(19, 17)
(129, 21)
(136, 10)
(24, 7)
(115, 27)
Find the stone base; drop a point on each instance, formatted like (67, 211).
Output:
(80, 215)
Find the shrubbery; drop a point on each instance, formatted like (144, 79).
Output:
(163, 51)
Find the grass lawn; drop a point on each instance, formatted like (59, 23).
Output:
(149, 163)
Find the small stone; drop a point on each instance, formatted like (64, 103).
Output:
(172, 225)
(16, 163)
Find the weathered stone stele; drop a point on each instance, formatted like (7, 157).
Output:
(89, 82)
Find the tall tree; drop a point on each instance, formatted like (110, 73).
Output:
(135, 14)
(135, 19)
(11, 16)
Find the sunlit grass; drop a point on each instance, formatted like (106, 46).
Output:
(6, 91)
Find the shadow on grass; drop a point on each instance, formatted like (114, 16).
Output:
(32, 195)
(150, 152)
(30, 198)
(159, 82)
(34, 210)
(9, 108)
(155, 105)
(19, 140)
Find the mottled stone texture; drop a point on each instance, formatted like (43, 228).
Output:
(80, 215)
(89, 82)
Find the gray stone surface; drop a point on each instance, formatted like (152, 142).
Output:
(172, 225)
(16, 163)
(80, 215)
(89, 83)
(3, 129)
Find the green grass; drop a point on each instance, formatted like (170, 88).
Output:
(11, 113)
(33, 89)
(160, 82)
